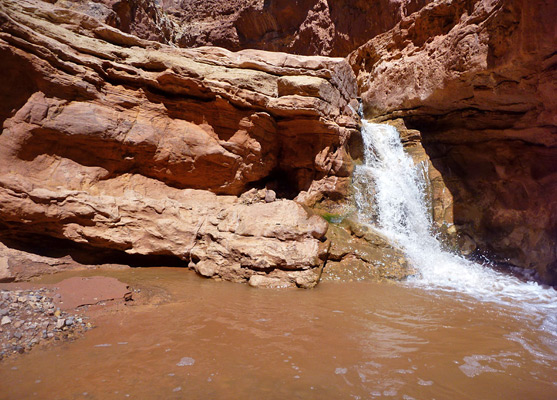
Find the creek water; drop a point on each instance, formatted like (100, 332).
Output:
(199, 339)
(458, 330)
(397, 207)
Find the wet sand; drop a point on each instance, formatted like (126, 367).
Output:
(34, 314)
(190, 338)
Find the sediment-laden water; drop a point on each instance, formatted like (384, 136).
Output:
(400, 211)
(201, 339)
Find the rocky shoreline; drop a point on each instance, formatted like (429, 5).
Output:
(34, 315)
(30, 318)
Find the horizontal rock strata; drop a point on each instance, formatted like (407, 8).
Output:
(309, 27)
(113, 142)
(477, 78)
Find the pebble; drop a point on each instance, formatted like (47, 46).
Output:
(30, 317)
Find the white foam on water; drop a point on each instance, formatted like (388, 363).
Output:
(186, 361)
(390, 195)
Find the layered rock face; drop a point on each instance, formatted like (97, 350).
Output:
(112, 142)
(308, 27)
(477, 78)
(142, 18)
(115, 139)
(361, 253)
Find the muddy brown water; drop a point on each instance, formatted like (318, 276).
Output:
(199, 339)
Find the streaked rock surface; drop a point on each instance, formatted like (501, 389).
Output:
(112, 142)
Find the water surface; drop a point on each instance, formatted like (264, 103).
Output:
(201, 339)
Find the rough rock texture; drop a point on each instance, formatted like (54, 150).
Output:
(112, 142)
(33, 315)
(477, 78)
(18, 265)
(142, 18)
(309, 27)
(118, 146)
(30, 317)
(358, 253)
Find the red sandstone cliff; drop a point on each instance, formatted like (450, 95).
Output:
(478, 79)
(113, 142)
(94, 113)
(309, 27)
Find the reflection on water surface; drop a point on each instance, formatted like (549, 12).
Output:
(201, 339)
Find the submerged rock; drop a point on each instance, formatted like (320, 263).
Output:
(261, 281)
(186, 361)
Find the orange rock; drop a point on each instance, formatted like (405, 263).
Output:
(477, 79)
(120, 144)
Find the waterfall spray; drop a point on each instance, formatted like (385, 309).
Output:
(391, 196)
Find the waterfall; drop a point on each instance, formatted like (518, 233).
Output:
(390, 195)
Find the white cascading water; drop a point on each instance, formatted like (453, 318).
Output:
(393, 187)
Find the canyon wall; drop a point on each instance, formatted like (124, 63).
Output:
(308, 27)
(478, 80)
(475, 78)
(111, 143)
(117, 142)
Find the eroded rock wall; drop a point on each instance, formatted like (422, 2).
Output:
(477, 79)
(308, 27)
(113, 142)
(94, 113)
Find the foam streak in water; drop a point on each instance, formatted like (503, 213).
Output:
(391, 195)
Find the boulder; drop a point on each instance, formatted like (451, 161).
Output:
(359, 252)
(120, 147)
